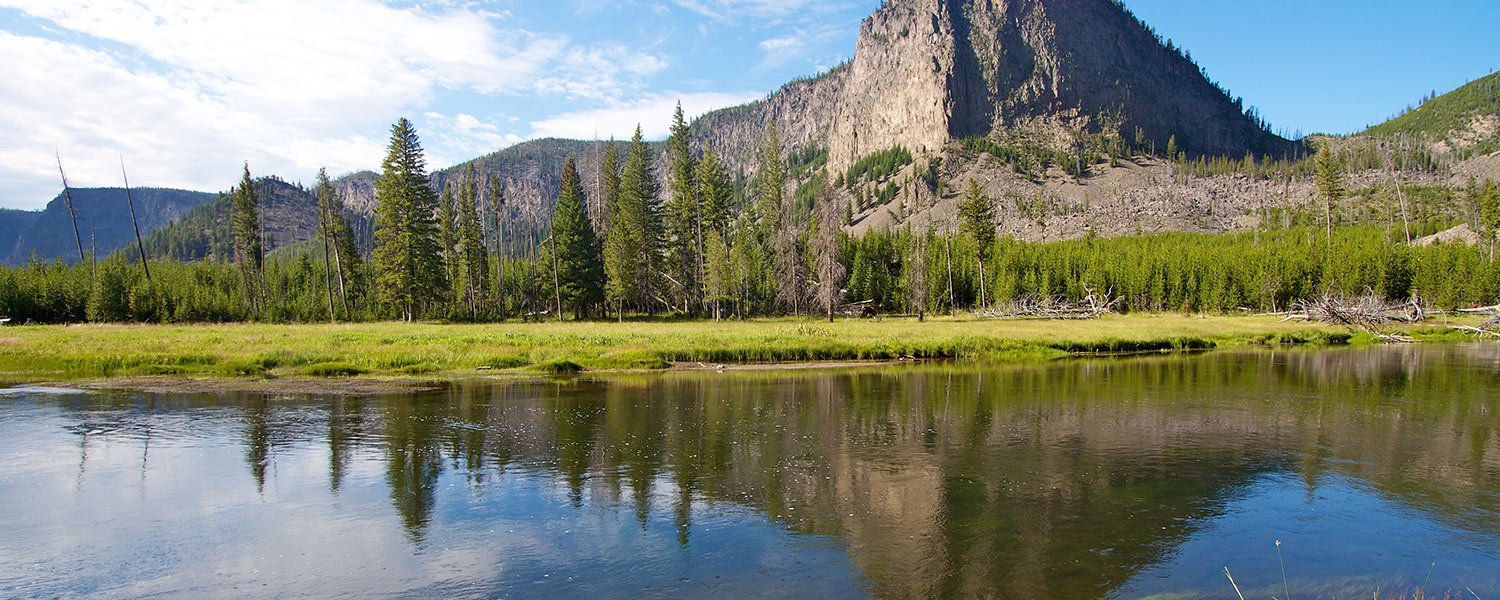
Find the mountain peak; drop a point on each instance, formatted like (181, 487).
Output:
(929, 71)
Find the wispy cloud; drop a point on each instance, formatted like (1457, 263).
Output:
(799, 44)
(652, 113)
(461, 137)
(727, 11)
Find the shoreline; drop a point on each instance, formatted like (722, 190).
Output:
(377, 358)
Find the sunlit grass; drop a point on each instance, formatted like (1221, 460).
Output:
(36, 353)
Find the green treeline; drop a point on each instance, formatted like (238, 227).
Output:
(900, 272)
(705, 245)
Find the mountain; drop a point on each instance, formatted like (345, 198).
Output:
(1464, 121)
(929, 72)
(103, 222)
(930, 81)
(289, 214)
(12, 223)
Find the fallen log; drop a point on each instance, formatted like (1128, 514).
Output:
(1092, 306)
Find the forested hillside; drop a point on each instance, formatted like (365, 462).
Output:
(1465, 121)
(104, 222)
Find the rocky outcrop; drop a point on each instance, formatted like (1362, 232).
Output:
(927, 72)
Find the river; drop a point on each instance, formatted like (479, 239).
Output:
(1356, 469)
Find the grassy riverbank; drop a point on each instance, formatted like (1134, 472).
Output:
(54, 353)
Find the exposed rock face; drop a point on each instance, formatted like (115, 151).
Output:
(926, 72)
(802, 111)
(899, 84)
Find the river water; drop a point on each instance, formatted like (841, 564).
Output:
(1123, 478)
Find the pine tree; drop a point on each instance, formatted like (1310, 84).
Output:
(752, 288)
(976, 214)
(609, 165)
(497, 212)
(248, 254)
(323, 191)
(715, 191)
(448, 241)
(1330, 181)
(632, 246)
(1489, 215)
(408, 259)
(718, 272)
(780, 228)
(683, 223)
(579, 268)
(474, 262)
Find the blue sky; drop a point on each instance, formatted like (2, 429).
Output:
(187, 89)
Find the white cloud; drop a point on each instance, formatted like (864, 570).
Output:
(653, 114)
(602, 72)
(797, 45)
(171, 130)
(463, 134)
(733, 10)
(186, 89)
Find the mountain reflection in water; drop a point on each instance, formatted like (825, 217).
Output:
(1089, 479)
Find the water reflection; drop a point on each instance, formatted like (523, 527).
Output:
(1121, 478)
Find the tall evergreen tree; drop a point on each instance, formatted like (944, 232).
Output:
(715, 192)
(248, 254)
(609, 167)
(448, 240)
(683, 223)
(1489, 215)
(496, 211)
(753, 289)
(579, 267)
(474, 262)
(1330, 181)
(323, 191)
(718, 272)
(408, 260)
(976, 215)
(781, 229)
(632, 246)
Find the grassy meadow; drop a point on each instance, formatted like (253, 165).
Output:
(58, 353)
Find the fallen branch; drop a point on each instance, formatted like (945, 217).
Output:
(1475, 330)
(1093, 306)
(1368, 312)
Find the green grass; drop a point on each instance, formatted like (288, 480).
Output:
(42, 353)
(333, 369)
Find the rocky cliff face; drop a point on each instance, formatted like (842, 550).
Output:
(926, 72)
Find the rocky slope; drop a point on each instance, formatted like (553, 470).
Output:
(927, 72)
